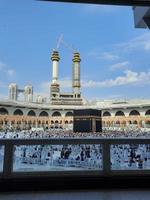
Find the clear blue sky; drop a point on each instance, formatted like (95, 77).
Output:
(115, 56)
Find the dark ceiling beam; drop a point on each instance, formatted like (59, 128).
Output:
(147, 21)
(108, 2)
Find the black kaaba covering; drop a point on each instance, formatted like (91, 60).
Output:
(87, 120)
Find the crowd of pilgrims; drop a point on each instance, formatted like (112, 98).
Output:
(81, 156)
(61, 133)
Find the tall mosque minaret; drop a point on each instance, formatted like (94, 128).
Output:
(57, 97)
(55, 85)
(76, 75)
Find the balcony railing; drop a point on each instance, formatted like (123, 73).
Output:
(102, 157)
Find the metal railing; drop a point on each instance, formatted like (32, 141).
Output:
(106, 143)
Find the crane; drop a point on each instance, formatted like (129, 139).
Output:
(68, 46)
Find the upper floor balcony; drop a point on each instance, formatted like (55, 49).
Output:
(70, 162)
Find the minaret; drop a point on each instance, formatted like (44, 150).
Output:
(28, 93)
(76, 75)
(13, 92)
(55, 85)
(55, 59)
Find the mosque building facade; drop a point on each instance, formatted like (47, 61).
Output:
(58, 113)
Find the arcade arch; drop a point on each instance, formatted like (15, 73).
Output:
(56, 114)
(147, 112)
(117, 123)
(134, 113)
(147, 123)
(69, 114)
(31, 113)
(43, 114)
(106, 114)
(18, 112)
(135, 122)
(119, 113)
(3, 111)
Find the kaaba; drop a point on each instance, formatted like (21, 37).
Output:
(87, 120)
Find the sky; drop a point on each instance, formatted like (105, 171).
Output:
(115, 56)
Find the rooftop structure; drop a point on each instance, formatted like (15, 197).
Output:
(58, 98)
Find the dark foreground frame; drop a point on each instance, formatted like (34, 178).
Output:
(64, 180)
(108, 2)
(74, 183)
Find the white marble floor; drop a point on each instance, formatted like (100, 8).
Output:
(79, 195)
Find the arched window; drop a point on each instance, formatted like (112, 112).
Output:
(18, 112)
(69, 114)
(118, 123)
(12, 122)
(66, 122)
(134, 112)
(119, 113)
(31, 113)
(135, 122)
(56, 114)
(106, 114)
(52, 122)
(56, 122)
(3, 111)
(43, 114)
(147, 122)
(147, 112)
